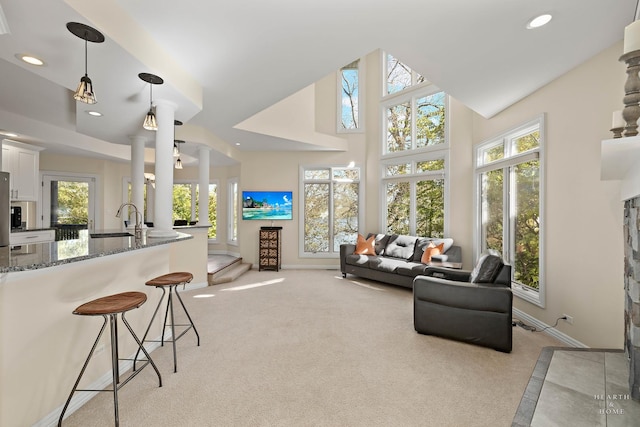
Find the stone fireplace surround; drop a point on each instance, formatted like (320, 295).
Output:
(620, 161)
(632, 292)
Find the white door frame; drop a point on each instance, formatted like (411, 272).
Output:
(45, 207)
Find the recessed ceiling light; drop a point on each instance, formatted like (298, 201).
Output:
(539, 21)
(94, 113)
(237, 143)
(30, 59)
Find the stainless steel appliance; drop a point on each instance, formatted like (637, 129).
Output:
(16, 217)
(5, 215)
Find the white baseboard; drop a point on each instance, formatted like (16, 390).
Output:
(530, 320)
(193, 286)
(81, 397)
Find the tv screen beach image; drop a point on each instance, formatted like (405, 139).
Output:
(267, 205)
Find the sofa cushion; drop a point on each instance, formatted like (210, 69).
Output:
(359, 260)
(365, 246)
(487, 268)
(411, 269)
(423, 242)
(400, 246)
(388, 265)
(380, 242)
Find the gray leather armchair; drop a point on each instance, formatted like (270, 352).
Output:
(470, 306)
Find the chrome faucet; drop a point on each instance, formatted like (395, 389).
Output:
(138, 227)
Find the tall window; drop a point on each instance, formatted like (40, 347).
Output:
(399, 76)
(330, 204)
(213, 211)
(185, 203)
(408, 131)
(414, 153)
(414, 193)
(349, 86)
(186, 206)
(509, 195)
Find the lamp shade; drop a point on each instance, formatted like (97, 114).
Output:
(84, 92)
(178, 163)
(150, 122)
(632, 37)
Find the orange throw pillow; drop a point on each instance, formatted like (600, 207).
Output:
(365, 246)
(431, 250)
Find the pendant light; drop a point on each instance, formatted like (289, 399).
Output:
(84, 92)
(150, 122)
(176, 150)
(176, 143)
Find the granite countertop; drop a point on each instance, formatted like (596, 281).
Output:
(41, 255)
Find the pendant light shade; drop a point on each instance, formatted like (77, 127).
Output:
(84, 92)
(150, 122)
(178, 163)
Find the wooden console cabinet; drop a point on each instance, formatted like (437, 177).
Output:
(269, 252)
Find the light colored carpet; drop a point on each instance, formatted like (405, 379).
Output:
(308, 348)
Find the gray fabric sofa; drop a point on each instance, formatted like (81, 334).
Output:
(459, 305)
(397, 259)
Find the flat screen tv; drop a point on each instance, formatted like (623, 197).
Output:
(267, 205)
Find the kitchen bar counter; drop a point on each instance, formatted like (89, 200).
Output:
(42, 255)
(43, 345)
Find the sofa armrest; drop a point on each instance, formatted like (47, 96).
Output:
(468, 296)
(454, 254)
(345, 249)
(448, 273)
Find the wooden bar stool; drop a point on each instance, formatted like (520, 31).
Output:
(109, 307)
(171, 281)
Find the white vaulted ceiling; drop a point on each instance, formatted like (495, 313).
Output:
(225, 61)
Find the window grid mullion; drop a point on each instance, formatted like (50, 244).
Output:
(414, 128)
(508, 220)
(412, 206)
(331, 214)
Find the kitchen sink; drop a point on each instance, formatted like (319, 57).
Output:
(116, 234)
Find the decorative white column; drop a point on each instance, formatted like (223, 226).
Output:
(203, 184)
(162, 222)
(137, 176)
(151, 200)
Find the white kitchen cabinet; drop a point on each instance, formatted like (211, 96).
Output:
(26, 237)
(22, 162)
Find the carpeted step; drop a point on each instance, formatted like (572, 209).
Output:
(229, 274)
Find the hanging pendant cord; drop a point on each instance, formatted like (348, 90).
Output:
(86, 36)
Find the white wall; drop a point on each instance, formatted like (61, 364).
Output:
(584, 251)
